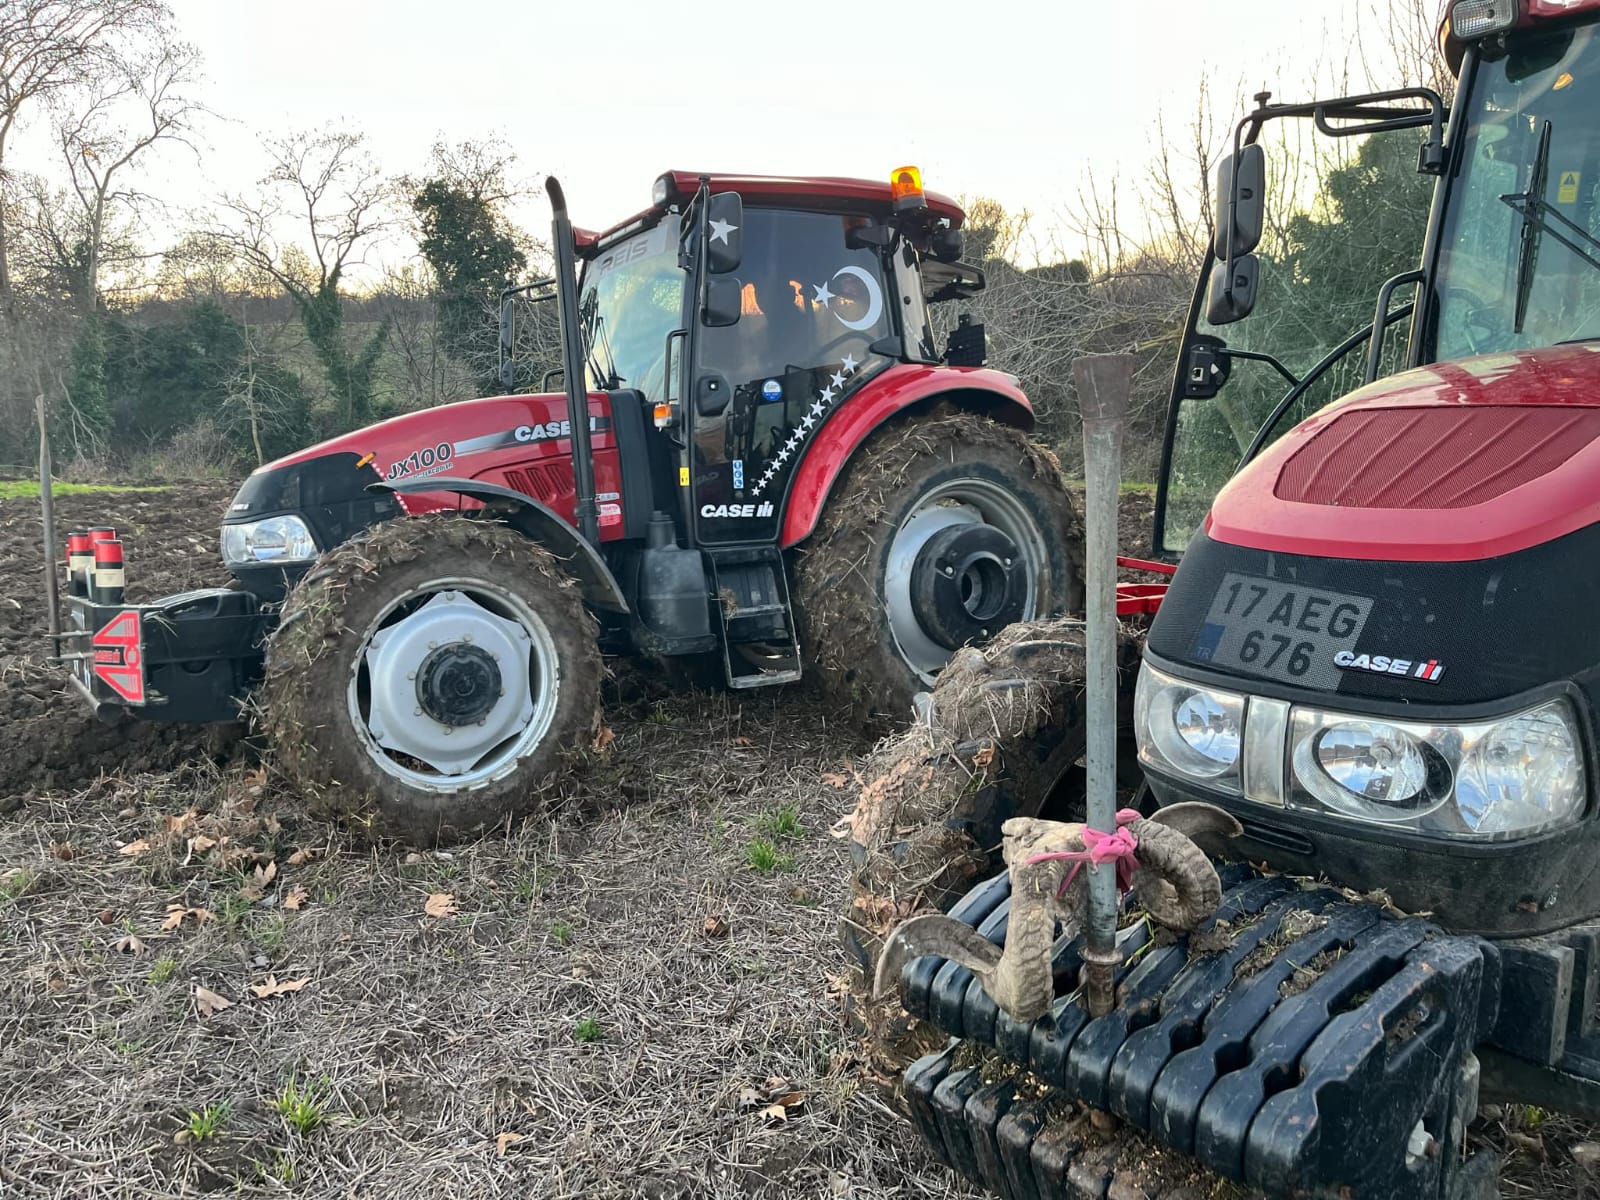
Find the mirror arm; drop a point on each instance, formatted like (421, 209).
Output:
(1229, 352)
(1311, 376)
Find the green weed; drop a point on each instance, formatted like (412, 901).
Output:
(300, 1107)
(208, 1121)
(781, 822)
(588, 1030)
(764, 857)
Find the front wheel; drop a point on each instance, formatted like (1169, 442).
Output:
(432, 677)
(940, 533)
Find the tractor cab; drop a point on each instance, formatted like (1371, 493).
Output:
(1380, 475)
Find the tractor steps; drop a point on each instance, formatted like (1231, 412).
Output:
(1315, 1044)
(752, 594)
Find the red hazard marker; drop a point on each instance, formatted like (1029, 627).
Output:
(118, 657)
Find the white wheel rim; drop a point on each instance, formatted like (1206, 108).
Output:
(385, 708)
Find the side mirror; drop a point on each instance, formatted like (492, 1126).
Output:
(1245, 183)
(724, 302)
(1226, 304)
(711, 395)
(725, 234)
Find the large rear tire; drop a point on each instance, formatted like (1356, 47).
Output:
(432, 677)
(941, 531)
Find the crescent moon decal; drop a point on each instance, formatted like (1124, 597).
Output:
(874, 298)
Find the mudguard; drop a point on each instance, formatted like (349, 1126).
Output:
(534, 520)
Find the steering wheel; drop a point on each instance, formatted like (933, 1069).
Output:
(1475, 319)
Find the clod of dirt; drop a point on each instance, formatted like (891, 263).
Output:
(1294, 926)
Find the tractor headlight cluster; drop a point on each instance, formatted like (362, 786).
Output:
(1192, 730)
(1509, 777)
(272, 540)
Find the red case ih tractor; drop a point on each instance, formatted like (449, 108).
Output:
(760, 455)
(1379, 655)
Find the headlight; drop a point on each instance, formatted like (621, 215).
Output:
(1510, 777)
(1189, 730)
(275, 539)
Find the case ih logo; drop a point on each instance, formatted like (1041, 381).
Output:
(118, 660)
(1382, 664)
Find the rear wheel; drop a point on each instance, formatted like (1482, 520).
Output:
(940, 533)
(432, 677)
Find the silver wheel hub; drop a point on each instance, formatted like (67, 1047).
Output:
(451, 690)
(962, 504)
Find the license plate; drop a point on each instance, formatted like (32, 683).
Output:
(1280, 630)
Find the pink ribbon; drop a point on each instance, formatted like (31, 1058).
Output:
(1100, 848)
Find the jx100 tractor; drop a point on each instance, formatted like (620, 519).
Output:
(760, 455)
(1379, 657)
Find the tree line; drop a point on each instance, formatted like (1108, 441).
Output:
(242, 338)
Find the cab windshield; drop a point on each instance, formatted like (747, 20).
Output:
(1520, 260)
(630, 299)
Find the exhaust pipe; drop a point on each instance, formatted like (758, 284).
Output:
(110, 577)
(1104, 383)
(587, 515)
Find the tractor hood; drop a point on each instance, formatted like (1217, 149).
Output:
(1452, 462)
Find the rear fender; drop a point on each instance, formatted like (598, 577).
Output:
(988, 393)
(535, 521)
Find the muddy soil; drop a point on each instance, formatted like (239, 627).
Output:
(48, 740)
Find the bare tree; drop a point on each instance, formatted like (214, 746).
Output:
(141, 100)
(326, 185)
(47, 47)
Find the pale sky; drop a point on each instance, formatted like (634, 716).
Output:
(1012, 100)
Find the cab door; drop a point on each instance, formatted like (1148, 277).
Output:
(812, 305)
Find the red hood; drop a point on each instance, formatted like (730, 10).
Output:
(393, 439)
(1451, 462)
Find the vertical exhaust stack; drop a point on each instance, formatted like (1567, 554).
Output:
(1104, 383)
(588, 516)
(110, 576)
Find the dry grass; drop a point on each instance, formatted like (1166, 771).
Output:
(421, 1040)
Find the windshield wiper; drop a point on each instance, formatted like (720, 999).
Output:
(1528, 251)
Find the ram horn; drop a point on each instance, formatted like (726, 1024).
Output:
(935, 934)
(1177, 884)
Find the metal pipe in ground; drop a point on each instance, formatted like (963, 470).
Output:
(47, 507)
(1104, 383)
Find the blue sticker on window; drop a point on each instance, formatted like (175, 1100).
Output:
(1205, 645)
(772, 390)
(738, 473)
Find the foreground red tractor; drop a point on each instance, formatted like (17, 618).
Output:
(760, 456)
(1379, 656)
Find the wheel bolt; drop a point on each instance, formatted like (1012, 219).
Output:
(1006, 562)
(411, 674)
(949, 570)
(433, 645)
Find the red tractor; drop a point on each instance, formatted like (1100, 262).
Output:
(1378, 655)
(761, 455)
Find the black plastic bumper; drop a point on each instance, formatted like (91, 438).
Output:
(1341, 1059)
(187, 658)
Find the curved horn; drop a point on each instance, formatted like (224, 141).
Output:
(1192, 819)
(934, 933)
(1177, 883)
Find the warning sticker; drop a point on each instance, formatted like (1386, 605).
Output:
(683, 476)
(1567, 191)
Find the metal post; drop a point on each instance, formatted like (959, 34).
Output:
(572, 356)
(47, 504)
(1104, 383)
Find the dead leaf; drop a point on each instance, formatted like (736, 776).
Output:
(63, 851)
(715, 926)
(604, 738)
(179, 823)
(301, 857)
(273, 988)
(207, 1003)
(749, 1097)
(177, 912)
(844, 827)
(128, 944)
(139, 847)
(294, 897)
(265, 875)
(441, 904)
(775, 1112)
(200, 843)
(106, 916)
(1533, 1146)
(743, 741)
(984, 756)
(790, 1099)
(776, 1084)
(835, 779)
(504, 1141)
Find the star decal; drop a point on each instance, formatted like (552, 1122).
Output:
(823, 295)
(809, 420)
(818, 408)
(827, 395)
(720, 231)
(838, 379)
(849, 364)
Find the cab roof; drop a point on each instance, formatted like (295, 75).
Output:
(829, 193)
